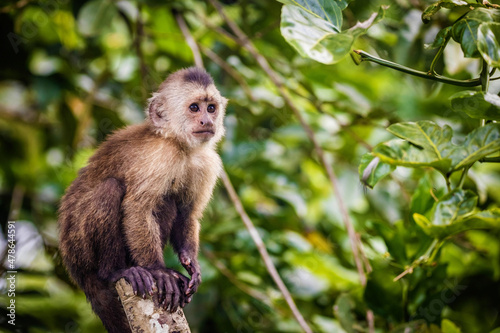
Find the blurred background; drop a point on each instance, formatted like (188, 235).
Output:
(72, 72)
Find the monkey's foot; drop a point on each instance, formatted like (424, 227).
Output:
(139, 278)
(171, 286)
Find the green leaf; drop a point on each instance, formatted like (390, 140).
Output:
(477, 104)
(343, 310)
(361, 27)
(447, 326)
(452, 206)
(94, 16)
(383, 295)
(422, 200)
(488, 36)
(313, 28)
(435, 7)
(371, 170)
(393, 240)
(465, 31)
(304, 31)
(481, 142)
(489, 219)
(426, 144)
(441, 38)
(430, 11)
(425, 134)
(325, 10)
(397, 152)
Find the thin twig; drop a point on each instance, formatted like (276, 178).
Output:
(138, 49)
(218, 30)
(17, 5)
(85, 117)
(230, 70)
(263, 252)
(198, 60)
(261, 60)
(233, 279)
(16, 202)
(260, 244)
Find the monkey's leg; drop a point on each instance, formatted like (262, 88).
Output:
(109, 241)
(100, 221)
(171, 284)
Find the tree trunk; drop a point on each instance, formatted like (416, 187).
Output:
(145, 315)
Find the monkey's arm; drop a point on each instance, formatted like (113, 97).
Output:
(185, 241)
(143, 238)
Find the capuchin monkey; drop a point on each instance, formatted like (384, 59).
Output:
(146, 185)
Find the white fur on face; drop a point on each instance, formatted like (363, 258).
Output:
(172, 103)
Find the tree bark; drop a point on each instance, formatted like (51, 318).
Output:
(145, 315)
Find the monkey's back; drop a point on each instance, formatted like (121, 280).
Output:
(88, 207)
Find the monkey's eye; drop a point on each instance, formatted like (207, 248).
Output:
(211, 108)
(194, 107)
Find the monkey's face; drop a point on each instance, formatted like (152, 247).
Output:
(189, 111)
(203, 113)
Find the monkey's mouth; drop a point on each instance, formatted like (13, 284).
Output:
(204, 132)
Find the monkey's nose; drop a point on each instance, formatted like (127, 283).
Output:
(206, 121)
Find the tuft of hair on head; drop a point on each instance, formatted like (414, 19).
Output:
(197, 75)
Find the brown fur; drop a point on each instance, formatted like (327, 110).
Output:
(146, 184)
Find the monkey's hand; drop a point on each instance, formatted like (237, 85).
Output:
(139, 278)
(171, 285)
(193, 268)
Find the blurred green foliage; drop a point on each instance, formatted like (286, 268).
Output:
(71, 72)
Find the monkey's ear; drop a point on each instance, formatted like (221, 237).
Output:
(155, 113)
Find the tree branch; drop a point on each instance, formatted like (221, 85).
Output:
(426, 75)
(146, 315)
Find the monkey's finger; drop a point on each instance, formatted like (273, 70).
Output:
(139, 275)
(168, 293)
(184, 282)
(193, 284)
(182, 302)
(133, 278)
(175, 296)
(147, 280)
(160, 284)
